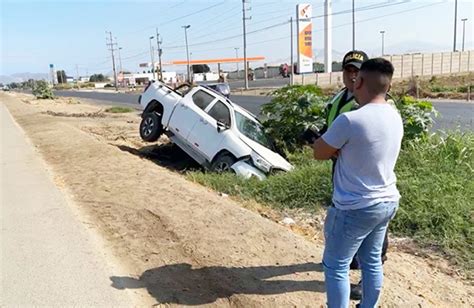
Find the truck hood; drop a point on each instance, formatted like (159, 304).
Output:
(277, 161)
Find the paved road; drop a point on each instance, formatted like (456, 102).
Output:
(261, 83)
(453, 114)
(48, 258)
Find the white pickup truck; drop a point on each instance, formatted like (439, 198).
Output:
(218, 134)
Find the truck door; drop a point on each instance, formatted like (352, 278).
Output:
(188, 112)
(204, 136)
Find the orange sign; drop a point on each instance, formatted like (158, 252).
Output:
(305, 38)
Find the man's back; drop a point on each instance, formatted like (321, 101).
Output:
(369, 139)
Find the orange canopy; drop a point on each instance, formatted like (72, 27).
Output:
(223, 60)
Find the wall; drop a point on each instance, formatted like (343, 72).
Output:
(426, 64)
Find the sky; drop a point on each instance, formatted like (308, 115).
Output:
(72, 34)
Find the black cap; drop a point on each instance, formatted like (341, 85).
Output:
(355, 58)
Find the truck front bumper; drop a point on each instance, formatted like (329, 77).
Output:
(247, 171)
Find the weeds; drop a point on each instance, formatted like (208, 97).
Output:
(119, 109)
(435, 178)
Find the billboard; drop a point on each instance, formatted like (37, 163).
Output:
(304, 27)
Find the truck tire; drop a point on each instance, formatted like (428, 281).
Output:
(223, 163)
(151, 127)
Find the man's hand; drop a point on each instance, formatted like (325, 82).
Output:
(310, 135)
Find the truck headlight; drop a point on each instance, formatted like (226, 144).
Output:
(260, 162)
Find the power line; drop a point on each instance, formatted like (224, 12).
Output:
(167, 22)
(370, 7)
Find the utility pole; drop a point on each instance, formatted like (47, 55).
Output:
(291, 51)
(327, 36)
(77, 76)
(111, 45)
(237, 62)
(455, 22)
(187, 49)
(245, 45)
(463, 31)
(160, 52)
(353, 26)
(383, 37)
(120, 67)
(152, 58)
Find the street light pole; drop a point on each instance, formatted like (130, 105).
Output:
(246, 78)
(160, 52)
(353, 25)
(383, 37)
(152, 58)
(463, 31)
(187, 50)
(455, 22)
(237, 62)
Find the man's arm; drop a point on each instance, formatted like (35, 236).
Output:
(322, 150)
(334, 139)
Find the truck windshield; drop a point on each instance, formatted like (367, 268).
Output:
(253, 130)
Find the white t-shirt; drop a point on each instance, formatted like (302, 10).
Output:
(369, 140)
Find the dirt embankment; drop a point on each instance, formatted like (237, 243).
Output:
(188, 245)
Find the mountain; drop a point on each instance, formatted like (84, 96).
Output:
(19, 77)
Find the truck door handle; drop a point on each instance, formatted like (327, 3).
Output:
(184, 106)
(203, 121)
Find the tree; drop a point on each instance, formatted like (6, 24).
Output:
(42, 90)
(200, 68)
(62, 77)
(97, 78)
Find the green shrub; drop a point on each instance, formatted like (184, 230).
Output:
(119, 109)
(42, 90)
(63, 86)
(86, 85)
(292, 110)
(295, 108)
(417, 116)
(435, 179)
(434, 176)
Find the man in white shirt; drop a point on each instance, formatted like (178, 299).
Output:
(367, 143)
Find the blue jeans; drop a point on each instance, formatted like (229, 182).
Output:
(346, 233)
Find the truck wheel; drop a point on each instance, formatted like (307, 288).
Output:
(150, 127)
(223, 163)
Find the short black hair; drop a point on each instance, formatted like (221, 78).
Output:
(378, 73)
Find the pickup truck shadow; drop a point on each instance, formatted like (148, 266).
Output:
(166, 155)
(182, 284)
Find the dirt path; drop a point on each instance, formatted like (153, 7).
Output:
(184, 243)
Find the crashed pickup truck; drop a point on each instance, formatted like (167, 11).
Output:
(218, 134)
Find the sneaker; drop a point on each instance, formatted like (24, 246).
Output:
(356, 291)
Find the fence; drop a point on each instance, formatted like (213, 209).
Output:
(427, 64)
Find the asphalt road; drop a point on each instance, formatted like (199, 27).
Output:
(453, 114)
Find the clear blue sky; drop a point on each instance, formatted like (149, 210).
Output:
(69, 33)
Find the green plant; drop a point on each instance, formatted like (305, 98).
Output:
(42, 90)
(119, 109)
(63, 86)
(434, 177)
(292, 110)
(417, 116)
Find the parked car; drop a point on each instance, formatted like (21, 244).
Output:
(222, 88)
(216, 133)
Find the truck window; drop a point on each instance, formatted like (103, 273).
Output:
(220, 112)
(202, 99)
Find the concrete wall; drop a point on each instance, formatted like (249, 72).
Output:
(426, 64)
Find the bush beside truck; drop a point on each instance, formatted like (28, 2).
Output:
(434, 172)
